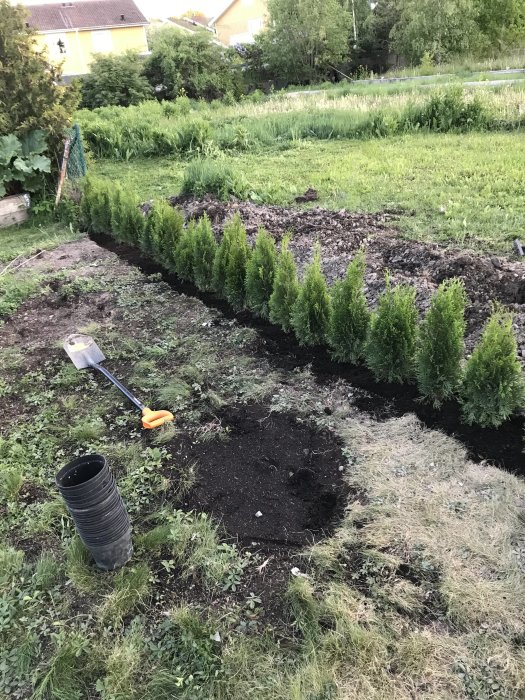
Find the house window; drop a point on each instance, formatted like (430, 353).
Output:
(102, 42)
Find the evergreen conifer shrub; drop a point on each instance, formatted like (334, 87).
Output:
(164, 227)
(311, 312)
(184, 253)
(285, 288)
(126, 218)
(350, 315)
(391, 343)
(441, 343)
(493, 383)
(260, 272)
(237, 260)
(204, 250)
(95, 209)
(231, 230)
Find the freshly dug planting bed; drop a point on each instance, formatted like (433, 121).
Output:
(423, 265)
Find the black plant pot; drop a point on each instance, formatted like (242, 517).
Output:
(97, 509)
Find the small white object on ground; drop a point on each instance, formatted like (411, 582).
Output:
(297, 572)
(258, 514)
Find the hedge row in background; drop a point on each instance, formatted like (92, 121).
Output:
(390, 340)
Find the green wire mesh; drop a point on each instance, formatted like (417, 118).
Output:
(76, 165)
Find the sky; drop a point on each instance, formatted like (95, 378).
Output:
(158, 9)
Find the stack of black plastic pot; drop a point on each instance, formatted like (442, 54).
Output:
(95, 504)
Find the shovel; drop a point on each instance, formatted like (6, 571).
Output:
(84, 353)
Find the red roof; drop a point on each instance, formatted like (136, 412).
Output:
(85, 14)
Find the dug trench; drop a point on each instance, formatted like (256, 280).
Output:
(502, 446)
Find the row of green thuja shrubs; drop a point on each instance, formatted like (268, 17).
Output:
(391, 340)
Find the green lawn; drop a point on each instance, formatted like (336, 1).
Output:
(31, 237)
(467, 190)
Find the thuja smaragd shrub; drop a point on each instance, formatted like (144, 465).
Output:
(231, 231)
(311, 312)
(441, 343)
(127, 219)
(204, 250)
(163, 230)
(493, 382)
(391, 343)
(285, 288)
(95, 208)
(237, 260)
(350, 315)
(260, 272)
(184, 253)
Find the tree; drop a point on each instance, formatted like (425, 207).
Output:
(260, 273)
(440, 29)
(190, 64)
(115, 80)
(374, 38)
(501, 21)
(31, 96)
(393, 331)
(238, 256)
(306, 38)
(311, 312)
(441, 343)
(493, 384)
(350, 314)
(204, 250)
(285, 288)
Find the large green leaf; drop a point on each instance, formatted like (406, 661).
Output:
(38, 162)
(33, 182)
(34, 142)
(2, 189)
(22, 166)
(10, 146)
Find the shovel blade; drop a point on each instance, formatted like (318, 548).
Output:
(83, 351)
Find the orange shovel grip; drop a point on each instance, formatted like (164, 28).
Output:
(154, 419)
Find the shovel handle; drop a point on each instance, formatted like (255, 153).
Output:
(154, 419)
(127, 393)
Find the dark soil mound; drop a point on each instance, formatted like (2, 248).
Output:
(273, 464)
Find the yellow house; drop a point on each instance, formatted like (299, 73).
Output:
(73, 32)
(240, 21)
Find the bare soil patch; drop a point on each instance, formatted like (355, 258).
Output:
(273, 481)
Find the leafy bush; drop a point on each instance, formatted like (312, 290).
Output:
(350, 315)
(238, 256)
(285, 288)
(193, 136)
(441, 343)
(260, 273)
(391, 342)
(311, 312)
(493, 383)
(184, 253)
(203, 177)
(164, 227)
(115, 80)
(232, 230)
(204, 250)
(21, 162)
(189, 64)
(448, 110)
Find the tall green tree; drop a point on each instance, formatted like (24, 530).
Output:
(501, 21)
(115, 80)
(31, 96)
(306, 38)
(190, 64)
(440, 29)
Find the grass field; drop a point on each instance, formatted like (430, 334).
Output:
(467, 190)
(417, 593)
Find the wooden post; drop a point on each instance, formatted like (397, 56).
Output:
(63, 170)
